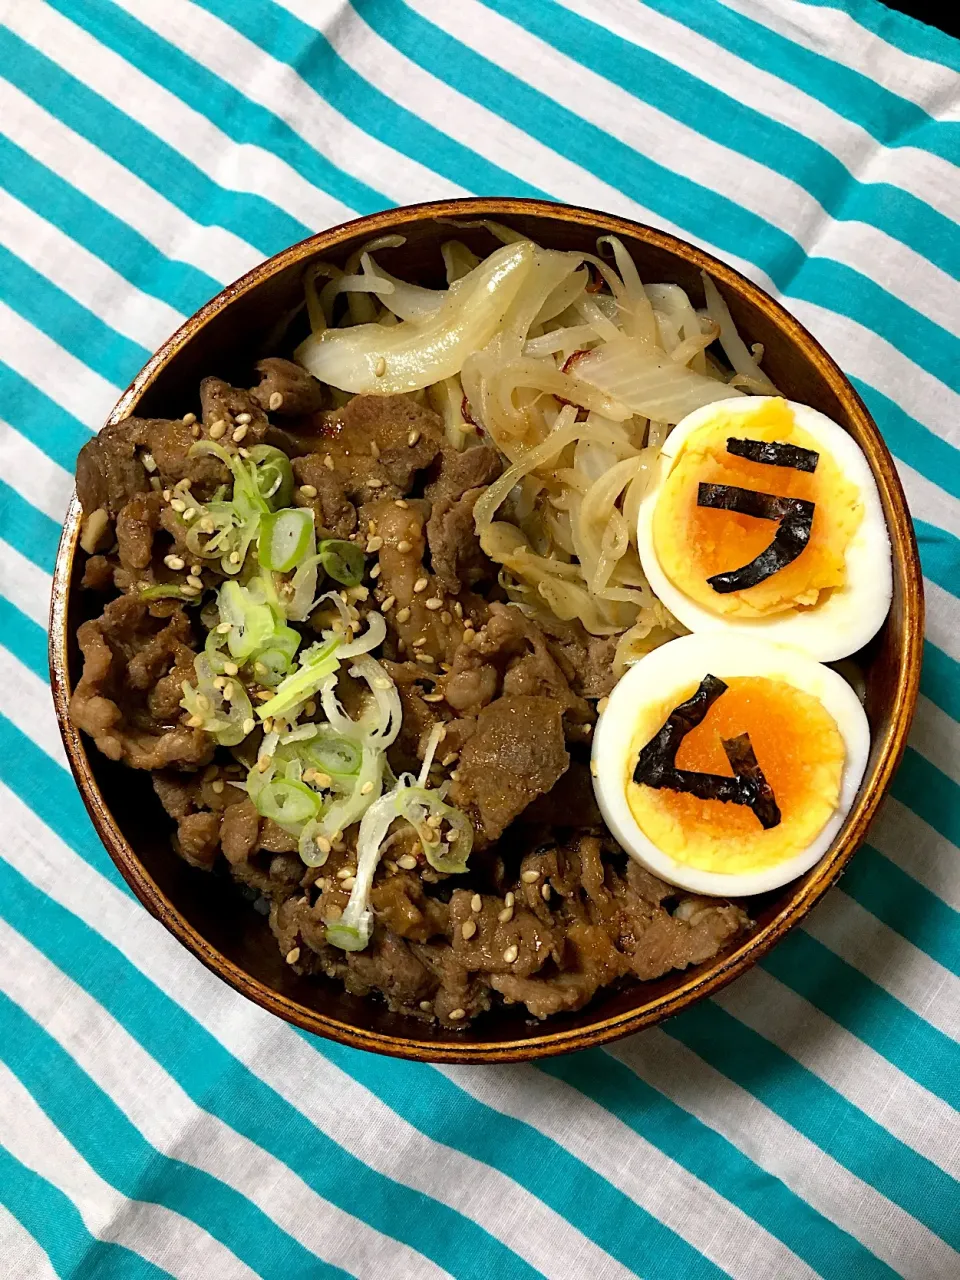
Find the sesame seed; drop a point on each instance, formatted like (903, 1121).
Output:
(434, 604)
(602, 706)
(194, 722)
(217, 786)
(173, 562)
(374, 449)
(421, 584)
(374, 484)
(263, 764)
(234, 557)
(275, 401)
(218, 429)
(268, 724)
(511, 954)
(374, 544)
(239, 434)
(167, 495)
(403, 615)
(593, 768)
(264, 695)
(530, 877)
(401, 503)
(380, 368)
(229, 689)
(188, 419)
(322, 843)
(407, 862)
(403, 546)
(468, 928)
(413, 437)
(348, 882)
(476, 902)
(178, 504)
(452, 836)
(505, 915)
(455, 1015)
(449, 759)
(224, 628)
(293, 956)
(382, 682)
(328, 461)
(545, 893)
(433, 821)
(509, 899)
(426, 1006)
(244, 453)
(308, 490)
(196, 568)
(469, 635)
(219, 682)
(195, 431)
(345, 872)
(311, 708)
(188, 514)
(149, 462)
(458, 608)
(446, 618)
(322, 779)
(248, 725)
(230, 668)
(420, 642)
(194, 581)
(366, 788)
(432, 697)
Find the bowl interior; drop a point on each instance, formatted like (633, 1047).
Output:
(262, 315)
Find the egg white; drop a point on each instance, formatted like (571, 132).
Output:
(670, 670)
(852, 614)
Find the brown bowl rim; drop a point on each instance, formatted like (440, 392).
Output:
(726, 968)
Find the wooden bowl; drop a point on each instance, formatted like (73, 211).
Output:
(256, 317)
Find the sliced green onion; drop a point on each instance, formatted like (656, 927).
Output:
(316, 663)
(285, 538)
(333, 754)
(274, 475)
(223, 718)
(342, 561)
(169, 591)
(289, 804)
(252, 625)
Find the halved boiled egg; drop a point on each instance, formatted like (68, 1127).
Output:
(726, 764)
(763, 518)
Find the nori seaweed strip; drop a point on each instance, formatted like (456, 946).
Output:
(657, 762)
(660, 753)
(756, 790)
(793, 532)
(774, 453)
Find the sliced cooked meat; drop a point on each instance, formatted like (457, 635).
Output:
(320, 488)
(287, 389)
(137, 525)
(220, 402)
(126, 653)
(377, 445)
(516, 754)
(461, 470)
(586, 660)
(455, 552)
(110, 470)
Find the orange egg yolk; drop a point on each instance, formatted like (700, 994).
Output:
(800, 750)
(693, 543)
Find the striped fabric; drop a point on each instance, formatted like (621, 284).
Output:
(803, 1123)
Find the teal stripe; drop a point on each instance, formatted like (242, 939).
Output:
(890, 119)
(716, 115)
(939, 555)
(252, 219)
(904, 905)
(284, 37)
(829, 1250)
(940, 679)
(218, 100)
(24, 638)
(32, 533)
(58, 433)
(70, 324)
(910, 440)
(55, 1223)
(96, 1127)
(704, 214)
(875, 1017)
(212, 1077)
(929, 793)
(899, 29)
(113, 241)
(822, 1115)
(438, 1107)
